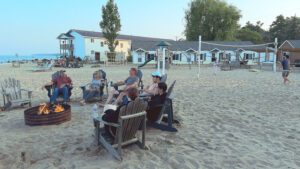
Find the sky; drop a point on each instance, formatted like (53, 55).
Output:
(31, 26)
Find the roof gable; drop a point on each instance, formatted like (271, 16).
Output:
(94, 34)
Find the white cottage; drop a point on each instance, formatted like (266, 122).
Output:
(185, 52)
(93, 45)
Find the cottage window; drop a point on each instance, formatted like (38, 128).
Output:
(92, 52)
(202, 57)
(177, 57)
(139, 59)
(248, 56)
(102, 44)
(92, 40)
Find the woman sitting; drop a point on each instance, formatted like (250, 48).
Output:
(94, 88)
(113, 115)
(155, 103)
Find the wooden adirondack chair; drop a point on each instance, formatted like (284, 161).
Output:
(164, 78)
(131, 118)
(13, 93)
(166, 111)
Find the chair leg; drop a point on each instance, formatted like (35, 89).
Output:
(120, 138)
(144, 132)
(170, 114)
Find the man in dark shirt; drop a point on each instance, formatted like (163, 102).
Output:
(61, 84)
(154, 105)
(285, 69)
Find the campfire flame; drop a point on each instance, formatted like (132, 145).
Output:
(45, 109)
(58, 109)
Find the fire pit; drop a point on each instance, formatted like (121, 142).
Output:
(46, 115)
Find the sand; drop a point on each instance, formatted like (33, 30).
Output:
(236, 119)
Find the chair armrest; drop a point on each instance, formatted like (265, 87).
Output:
(25, 90)
(28, 92)
(85, 85)
(132, 115)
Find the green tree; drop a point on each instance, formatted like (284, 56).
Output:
(257, 27)
(110, 24)
(278, 29)
(213, 19)
(293, 27)
(245, 34)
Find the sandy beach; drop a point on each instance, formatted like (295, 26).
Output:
(236, 119)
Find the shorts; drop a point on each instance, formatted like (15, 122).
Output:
(285, 73)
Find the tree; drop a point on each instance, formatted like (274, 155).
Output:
(110, 24)
(245, 34)
(255, 28)
(278, 29)
(213, 19)
(293, 28)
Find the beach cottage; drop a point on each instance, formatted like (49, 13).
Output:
(185, 52)
(291, 48)
(93, 45)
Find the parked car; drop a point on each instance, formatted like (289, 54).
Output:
(297, 63)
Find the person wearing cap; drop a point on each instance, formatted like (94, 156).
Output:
(153, 88)
(61, 85)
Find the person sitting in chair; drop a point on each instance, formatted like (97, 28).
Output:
(113, 115)
(155, 103)
(130, 82)
(94, 88)
(152, 89)
(61, 84)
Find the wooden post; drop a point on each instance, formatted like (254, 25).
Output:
(199, 57)
(275, 55)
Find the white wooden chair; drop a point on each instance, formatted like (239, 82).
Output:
(13, 93)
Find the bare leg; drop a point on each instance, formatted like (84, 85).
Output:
(110, 96)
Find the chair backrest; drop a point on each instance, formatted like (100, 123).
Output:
(130, 126)
(167, 102)
(164, 78)
(12, 87)
(103, 73)
(170, 90)
(55, 75)
(140, 74)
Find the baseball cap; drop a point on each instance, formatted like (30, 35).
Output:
(158, 74)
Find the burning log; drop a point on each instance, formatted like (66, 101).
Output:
(46, 109)
(58, 109)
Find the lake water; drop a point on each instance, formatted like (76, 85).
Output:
(9, 58)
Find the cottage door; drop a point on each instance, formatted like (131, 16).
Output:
(97, 56)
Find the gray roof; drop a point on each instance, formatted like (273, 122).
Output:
(129, 37)
(194, 45)
(295, 43)
(68, 35)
